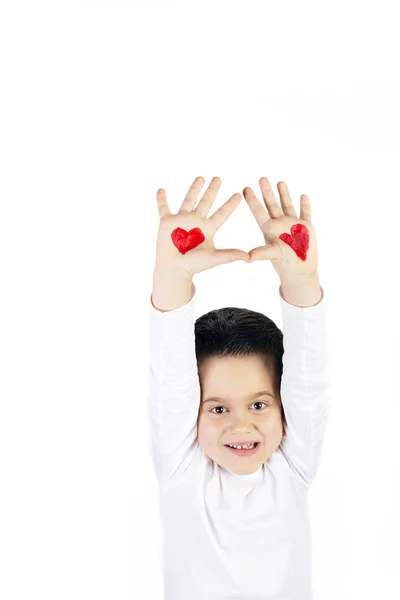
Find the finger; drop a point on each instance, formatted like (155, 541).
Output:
(273, 207)
(286, 201)
(221, 215)
(305, 209)
(162, 204)
(221, 257)
(256, 207)
(192, 195)
(203, 207)
(269, 252)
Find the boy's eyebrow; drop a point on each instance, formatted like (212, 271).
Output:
(255, 395)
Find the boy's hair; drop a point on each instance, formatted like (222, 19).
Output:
(232, 331)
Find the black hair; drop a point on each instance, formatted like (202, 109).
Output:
(232, 331)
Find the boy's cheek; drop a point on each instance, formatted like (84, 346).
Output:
(208, 433)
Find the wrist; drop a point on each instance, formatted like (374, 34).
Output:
(172, 273)
(302, 291)
(172, 288)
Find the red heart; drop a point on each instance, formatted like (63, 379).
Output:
(299, 240)
(186, 240)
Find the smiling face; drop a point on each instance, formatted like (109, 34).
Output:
(238, 414)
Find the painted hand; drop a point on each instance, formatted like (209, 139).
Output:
(185, 241)
(290, 242)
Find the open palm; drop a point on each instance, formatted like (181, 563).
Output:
(279, 219)
(206, 255)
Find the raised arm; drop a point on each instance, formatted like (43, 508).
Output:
(184, 247)
(306, 382)
(291, 246)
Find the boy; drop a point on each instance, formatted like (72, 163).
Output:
(235, 522)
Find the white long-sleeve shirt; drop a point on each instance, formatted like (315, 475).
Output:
(228, 536)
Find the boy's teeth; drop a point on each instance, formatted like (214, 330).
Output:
(247, 446)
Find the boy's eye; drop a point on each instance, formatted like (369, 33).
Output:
(224, 407)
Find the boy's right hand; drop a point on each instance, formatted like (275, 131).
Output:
(204, 256)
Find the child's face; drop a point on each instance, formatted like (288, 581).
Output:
(242, 417)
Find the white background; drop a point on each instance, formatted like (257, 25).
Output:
(104, 102)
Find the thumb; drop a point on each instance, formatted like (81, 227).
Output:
(227, 255)
(268, 252)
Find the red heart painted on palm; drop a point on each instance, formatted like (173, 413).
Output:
(186, 240)
(299, 239)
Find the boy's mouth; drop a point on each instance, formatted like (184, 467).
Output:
(244, 451)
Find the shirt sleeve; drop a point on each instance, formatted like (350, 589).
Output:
(173, 388)
(305, 385)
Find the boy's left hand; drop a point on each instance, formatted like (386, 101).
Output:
(279, 220)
